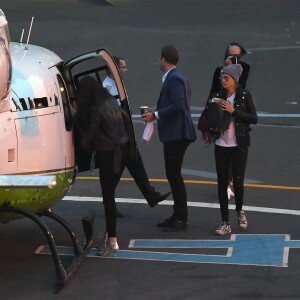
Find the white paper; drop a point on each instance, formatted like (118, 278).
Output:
(148, 132)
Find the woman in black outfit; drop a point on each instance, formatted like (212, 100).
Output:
(101, 125)
(231, 146)
(233, 53)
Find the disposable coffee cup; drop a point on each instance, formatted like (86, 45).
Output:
(144, 109)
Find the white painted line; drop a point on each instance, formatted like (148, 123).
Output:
(274, 48)
(286, 252)
(190, 204)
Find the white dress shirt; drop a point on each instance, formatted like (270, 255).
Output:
(163, 80)
(110, 84)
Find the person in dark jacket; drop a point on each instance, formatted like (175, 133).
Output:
(101, 124)
(176, 131)
(136, 166)
(233, 53)
(231, 147)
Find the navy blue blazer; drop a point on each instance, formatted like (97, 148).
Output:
(173, 107)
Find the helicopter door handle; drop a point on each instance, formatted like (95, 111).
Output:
(11, 155)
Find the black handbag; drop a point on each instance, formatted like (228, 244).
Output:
(213, 122)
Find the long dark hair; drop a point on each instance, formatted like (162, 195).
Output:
(89, 93)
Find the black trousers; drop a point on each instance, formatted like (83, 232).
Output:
(109, 181)
(174, 154)
(235, 160)
(137, 171)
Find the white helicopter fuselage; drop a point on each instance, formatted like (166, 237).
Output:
(36, 138)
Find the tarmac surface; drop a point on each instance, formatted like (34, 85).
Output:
(260, 263)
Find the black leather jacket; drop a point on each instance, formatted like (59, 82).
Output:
(107, 127)
(244, 115)
(104, 128)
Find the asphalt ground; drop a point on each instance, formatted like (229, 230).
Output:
(136, 30)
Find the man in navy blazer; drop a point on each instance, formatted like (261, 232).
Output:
(176, 131)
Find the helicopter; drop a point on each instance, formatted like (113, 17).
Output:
(37, 152)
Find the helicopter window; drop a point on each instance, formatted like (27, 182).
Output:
(56, 100)
(66, 104)
(23, 103)
(31, 103)
(15, 103)
(40, 102)
(94, 73)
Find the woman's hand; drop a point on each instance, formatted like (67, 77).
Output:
(226, 105)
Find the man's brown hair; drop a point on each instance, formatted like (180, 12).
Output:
(170, 54)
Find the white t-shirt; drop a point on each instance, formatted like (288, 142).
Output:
(228, 138)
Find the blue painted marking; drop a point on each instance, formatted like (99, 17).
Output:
(263, 115)
(257, 250)
(279, 115)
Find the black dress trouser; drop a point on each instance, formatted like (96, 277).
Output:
(236, 159)
(174, 154)
(137, 171)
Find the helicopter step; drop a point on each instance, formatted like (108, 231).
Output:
(24, 181)
(79, 252)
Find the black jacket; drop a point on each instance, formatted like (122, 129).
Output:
(104, 130)
(244, 115)
(107, 127)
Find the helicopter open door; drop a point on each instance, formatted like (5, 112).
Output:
(95, 63)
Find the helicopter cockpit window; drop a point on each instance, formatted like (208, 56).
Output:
(65, 103)
(5, 67)
(23, 104)
(56, 100)
(40, 102)
(16, 104)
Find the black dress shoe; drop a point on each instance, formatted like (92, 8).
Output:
(157, 197)
(176, 225)
(166, 222)
(119, 214)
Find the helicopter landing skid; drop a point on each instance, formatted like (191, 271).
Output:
(63, 274)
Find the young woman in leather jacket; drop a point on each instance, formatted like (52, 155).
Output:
(233, 53)
(101, 125)
(231, 147)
